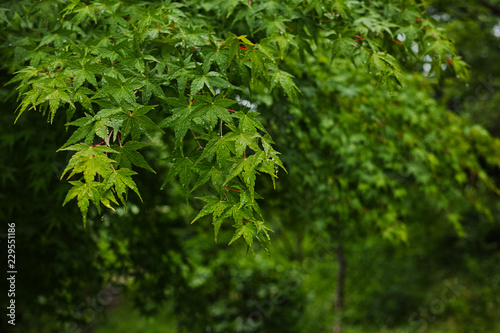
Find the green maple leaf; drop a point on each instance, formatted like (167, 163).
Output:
(54, 96)
(221, 147)
(409, 32)
(246, 167)
(121, 179)
(386, 68)
(243, 139)
(219, 216)
(214, 108)
(258, 58)
(136, 123)
(209, 208)
(149, 88)
(248, 122)
(30, 99)
(24, 75)
(82, 12)
(214, 206)
(83, 71)
(233, 44)
(262, 235)
(122, 90)
(344, 45)
(182, 71)
(128, 155)
(107, 197)
(284, 41)
(207, 173)
(248, 227)
(89, 160)
(217, 208)
(86, 125)
(82, 96)
(247, 231)
(182, 118)
(151, 82)
(183, 168)
(83, 192)
(209, 79)
(285, 80)
(220, 57)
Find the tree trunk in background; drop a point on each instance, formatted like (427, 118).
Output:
(339, 291)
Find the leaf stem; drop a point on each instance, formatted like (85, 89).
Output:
(109, 136)
(194, 136)
(98, 144)
(158, 26)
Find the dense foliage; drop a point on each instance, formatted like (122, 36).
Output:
(206, 96)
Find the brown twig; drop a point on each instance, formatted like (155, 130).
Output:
(98, 144)
(110, 133)
(194, 136)
(230, 189)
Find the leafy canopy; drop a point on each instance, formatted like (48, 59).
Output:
(128, 74)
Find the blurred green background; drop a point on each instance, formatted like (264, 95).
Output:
(148, 270)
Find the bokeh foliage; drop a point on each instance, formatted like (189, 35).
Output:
(354, 100)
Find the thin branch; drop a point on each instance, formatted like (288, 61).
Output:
(110, 133)
(194, 136)
(98, 144)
